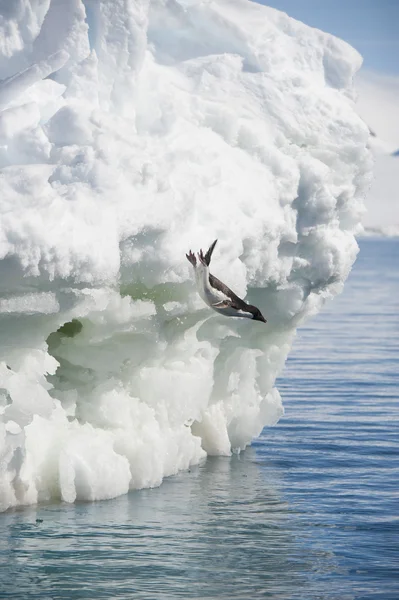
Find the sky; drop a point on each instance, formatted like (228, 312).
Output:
(372, 27)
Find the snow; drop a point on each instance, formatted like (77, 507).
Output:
(130, 132)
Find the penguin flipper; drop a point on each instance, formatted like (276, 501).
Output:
(222, 304)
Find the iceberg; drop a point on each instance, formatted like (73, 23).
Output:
(377, 105)
(130, 132)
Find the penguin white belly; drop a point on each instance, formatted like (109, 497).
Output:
(210, 295)
(229, 311)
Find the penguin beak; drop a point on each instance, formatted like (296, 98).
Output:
(260, 318)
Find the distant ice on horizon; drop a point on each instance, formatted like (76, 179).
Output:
(377, 102)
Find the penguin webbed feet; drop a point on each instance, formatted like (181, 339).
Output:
(191, 258)
(202, 258)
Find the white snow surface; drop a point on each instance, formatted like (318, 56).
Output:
(130, 132)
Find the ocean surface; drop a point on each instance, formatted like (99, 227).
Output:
(310, 511)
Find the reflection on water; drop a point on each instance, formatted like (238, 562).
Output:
(220, 531)
(307, 513)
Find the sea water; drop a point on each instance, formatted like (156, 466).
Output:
(309, 511)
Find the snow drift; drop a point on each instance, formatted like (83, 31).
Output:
(130, 132)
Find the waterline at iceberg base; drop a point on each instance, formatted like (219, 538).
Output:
(131, 132)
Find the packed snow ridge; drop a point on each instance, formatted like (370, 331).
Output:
(130, 132)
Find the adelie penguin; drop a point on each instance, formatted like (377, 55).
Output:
(216, 294)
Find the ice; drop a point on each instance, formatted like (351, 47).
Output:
(378, 94)
(13, 87)
(130, 132)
